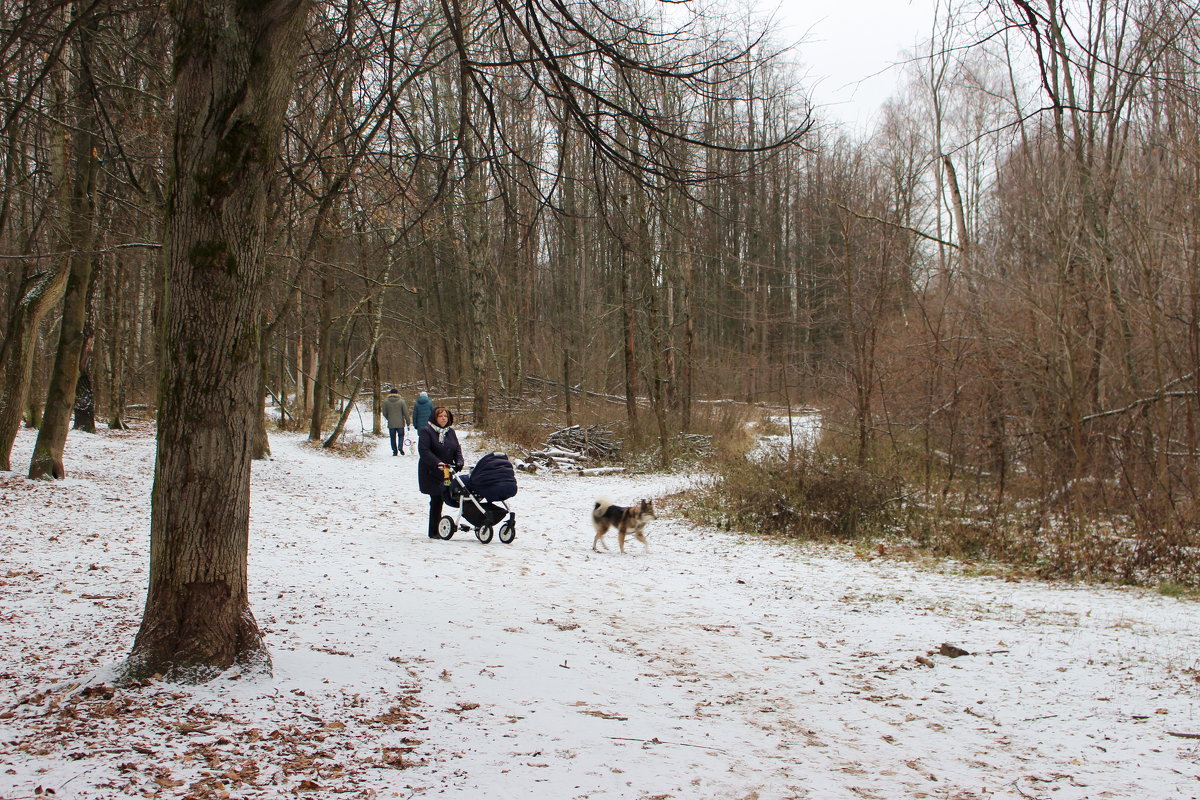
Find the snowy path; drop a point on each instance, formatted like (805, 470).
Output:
(715, 666)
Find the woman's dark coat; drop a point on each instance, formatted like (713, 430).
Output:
(431, 451)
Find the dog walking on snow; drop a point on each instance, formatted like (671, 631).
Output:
(627, 520)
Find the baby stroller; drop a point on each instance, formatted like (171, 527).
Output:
(479, 494)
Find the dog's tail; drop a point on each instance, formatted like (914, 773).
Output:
(601, 506)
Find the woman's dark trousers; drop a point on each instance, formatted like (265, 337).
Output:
(435, 513)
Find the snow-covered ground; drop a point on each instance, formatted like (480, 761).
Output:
(790, 433)
(714, 666)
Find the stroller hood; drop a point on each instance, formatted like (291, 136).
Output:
(493, 478)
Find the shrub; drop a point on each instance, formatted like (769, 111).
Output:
(346, 447)
(912, 504)
(814, 495)
(526, 429)
(294, 419)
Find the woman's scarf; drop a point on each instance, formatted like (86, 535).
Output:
(441, 432)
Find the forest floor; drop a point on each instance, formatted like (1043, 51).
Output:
(716, 665)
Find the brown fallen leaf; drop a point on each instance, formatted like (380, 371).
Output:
(602, 714)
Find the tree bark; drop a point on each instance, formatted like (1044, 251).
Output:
(16, 356)
(628, 348)
(39, 290)
(657, 337)
(85, 390)
(234, 65)
(80, 214)
(261, 447)
(324, 355)
(376, 389)
(118, 347)
(689, 338)
(85, 399)
(476, 242)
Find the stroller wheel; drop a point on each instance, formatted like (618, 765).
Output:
(445, 527)
(484, 533)
(508, 532)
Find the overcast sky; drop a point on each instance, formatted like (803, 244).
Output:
(847, 41)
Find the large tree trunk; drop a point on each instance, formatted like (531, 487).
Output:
(234, 67)
(80, 214)
(16, 356)
(40, 289)
(47, 460)
(476, 256)
(476, 245)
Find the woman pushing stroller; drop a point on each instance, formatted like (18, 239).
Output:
(439, 450)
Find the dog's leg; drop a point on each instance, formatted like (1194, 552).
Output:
(600, 532)
(621, 537)
(641, 537)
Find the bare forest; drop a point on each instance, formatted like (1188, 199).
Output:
(593, 208)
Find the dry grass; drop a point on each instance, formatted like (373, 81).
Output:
(522, 430)
(293, 420)
(358, 447)
(881, 507)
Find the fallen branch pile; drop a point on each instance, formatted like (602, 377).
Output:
(594, 441)
(572, 448)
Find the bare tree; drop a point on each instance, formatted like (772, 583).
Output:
(79, 226)
(233, 79)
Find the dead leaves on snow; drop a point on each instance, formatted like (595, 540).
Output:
(595, 712)
(157, 742)
(461, 708)
(562, 626)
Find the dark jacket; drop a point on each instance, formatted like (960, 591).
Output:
(432, 451)
(395, 410)
(422, 410)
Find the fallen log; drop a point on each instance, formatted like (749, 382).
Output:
(601, 470)
(561, 453)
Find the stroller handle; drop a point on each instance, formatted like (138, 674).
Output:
(451, 473)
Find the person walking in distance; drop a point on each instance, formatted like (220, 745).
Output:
(438, 450)
(422, 410)
(395, 411)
